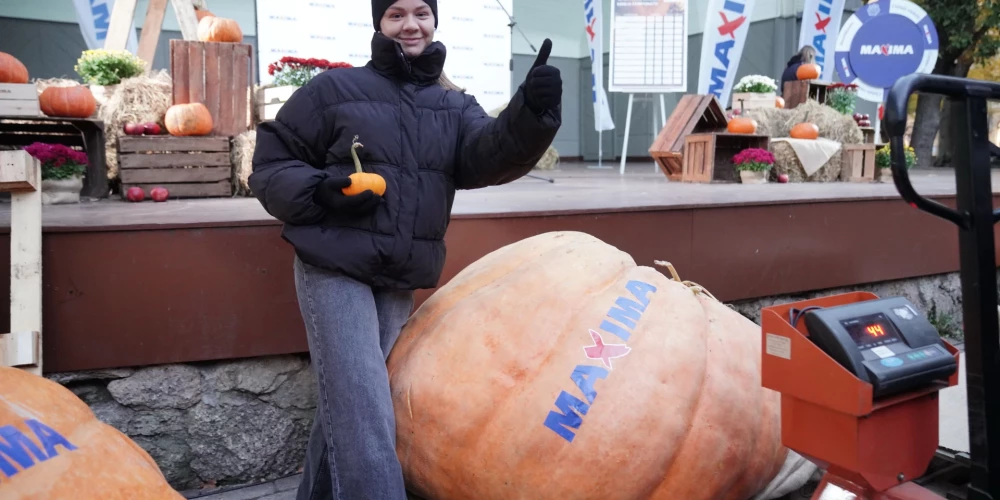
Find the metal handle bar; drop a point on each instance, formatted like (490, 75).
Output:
(895, 123)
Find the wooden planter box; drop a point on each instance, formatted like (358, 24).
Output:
(859, 163)
(693, 114)
(270, 100)
(800, 91)
(19, 99)
(750, 100)
(709, 157)
(219, 75)
(189, 167)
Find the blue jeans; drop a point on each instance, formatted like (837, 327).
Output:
(351, 328)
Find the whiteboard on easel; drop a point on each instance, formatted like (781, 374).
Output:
(475, 32)
(649, 50)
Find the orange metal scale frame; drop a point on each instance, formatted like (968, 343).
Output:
(870, 448)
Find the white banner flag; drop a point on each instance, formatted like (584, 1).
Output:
(726, 27)
(94, 17)
(820, 28)
(594, 27)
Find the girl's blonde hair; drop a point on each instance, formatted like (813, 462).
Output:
(448, 84)
(808, 54)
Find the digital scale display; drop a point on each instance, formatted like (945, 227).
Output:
(871, 331)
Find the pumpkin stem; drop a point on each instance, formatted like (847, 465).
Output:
(354, 153)
(695, 288)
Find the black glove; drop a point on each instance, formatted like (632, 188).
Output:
(543, 85)
(329, 195)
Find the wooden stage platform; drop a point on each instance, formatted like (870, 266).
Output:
(185, 281)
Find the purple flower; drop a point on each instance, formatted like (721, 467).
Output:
(754, 155)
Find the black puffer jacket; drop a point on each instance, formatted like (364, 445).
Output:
(424, 140)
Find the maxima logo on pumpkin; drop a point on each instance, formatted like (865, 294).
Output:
(17, 448)
(620, 321)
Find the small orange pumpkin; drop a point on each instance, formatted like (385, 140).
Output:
(805, 130)
(69, 102)
(219, 29)
(808, 72)
(742, 125)
(360, 180)
(188, 119)
(779, 102)
(12, 70)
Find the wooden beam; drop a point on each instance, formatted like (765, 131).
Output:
(186, 18)
(151, 29)
(23, 347)
(121, 22)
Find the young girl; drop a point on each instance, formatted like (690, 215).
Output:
(805, 56)
(359, 258)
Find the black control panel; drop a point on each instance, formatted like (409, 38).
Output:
(884, 342)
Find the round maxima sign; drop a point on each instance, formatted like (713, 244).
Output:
(883, 42)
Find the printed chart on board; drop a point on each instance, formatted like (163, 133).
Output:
(475, 32)
(649, 46)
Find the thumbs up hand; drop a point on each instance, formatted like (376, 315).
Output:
(543, 85)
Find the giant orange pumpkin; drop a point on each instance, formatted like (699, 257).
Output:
(219, 29)
(60, 450)
(808, 72)
(188, 119)
(557, 368)
(12, 70)
(76, 101)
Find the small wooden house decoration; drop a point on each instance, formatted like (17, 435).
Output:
(694, 114)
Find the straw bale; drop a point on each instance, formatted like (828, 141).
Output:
(833, 125)
(242, 158)
(137, 100)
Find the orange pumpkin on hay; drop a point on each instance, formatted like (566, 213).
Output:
(556, 367)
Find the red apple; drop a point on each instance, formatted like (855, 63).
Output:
(151, 129)
(133, 129)
(858, 116)
(783, 178)
(159, 194)
(135, 194)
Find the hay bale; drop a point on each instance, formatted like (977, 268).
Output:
(242, 158)
(778, 123)
(138, 100)
(549, 160)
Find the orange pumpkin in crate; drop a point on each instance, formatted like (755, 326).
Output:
(12, 70)
(556, 367)
(188, 119)
(742, 125)
(219, 29)
(70, 102)
(61, 451)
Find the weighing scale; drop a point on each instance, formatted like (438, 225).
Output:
(859, 375)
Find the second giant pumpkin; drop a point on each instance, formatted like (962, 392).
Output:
(557, 368)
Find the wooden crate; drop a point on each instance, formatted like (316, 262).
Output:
(799, 91)
(189, 167)
(709, 157)
(218, 75)
(859, 163)
(869, 134)
(270, 100)
(694, 114)
(81, 134)
(19, 99)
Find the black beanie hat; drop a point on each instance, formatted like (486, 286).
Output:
(380, 6)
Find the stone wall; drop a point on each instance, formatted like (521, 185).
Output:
(244, 421)
(232, 422)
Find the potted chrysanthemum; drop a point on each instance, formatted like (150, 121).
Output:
(754, 164)
(63, 169)
(755, 91)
